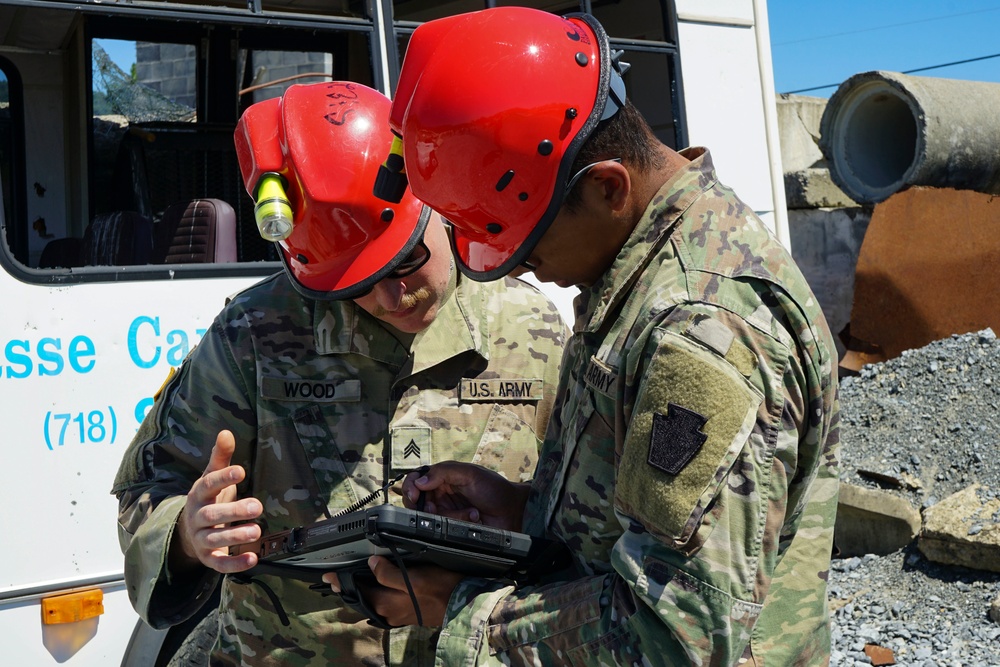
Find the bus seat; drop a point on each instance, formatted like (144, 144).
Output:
(61, 253)
(196, 231)
(120, 238)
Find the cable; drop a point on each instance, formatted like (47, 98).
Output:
(909, 71)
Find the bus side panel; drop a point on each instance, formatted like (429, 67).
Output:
(99, 641)
(78, 368)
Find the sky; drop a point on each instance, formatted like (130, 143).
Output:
(818, 43)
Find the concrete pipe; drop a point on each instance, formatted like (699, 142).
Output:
(884, 131)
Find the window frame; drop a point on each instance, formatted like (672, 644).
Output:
(172, 23)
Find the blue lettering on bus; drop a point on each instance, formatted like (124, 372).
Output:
(14, 357)
(47, 359)
(177, 353)
(133, 344)
(45, 354)
(80, 348)
(142, 409)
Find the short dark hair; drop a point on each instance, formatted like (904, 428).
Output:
(625, 135)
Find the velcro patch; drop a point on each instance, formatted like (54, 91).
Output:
(411, 447)
(711, 333)
(501, 390)
(315, 391)
(675, 439)
(600, 377)
(675, 463)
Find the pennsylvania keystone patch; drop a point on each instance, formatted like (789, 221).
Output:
(675, 438)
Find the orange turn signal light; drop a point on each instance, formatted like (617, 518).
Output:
(72, 607)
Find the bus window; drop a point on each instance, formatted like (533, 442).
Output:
(6, 158)
(649, 84)
(270, 73)
(643, 29)
(164, 113)
(643, 20)
(12, 159)
(555, 6)
(427, 10)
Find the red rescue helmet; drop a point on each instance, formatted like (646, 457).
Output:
(492, 108)
(325, 142)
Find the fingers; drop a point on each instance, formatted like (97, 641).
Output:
(441, 479)
(218, 482)
(415, 483)
(214, 518)
(213, 523)
(222, 453)
(332, 579)
(386, 573)
(225, 564)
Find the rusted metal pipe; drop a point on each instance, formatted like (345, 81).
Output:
(884, 131)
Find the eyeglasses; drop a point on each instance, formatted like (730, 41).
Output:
(416, 259)
(583, 172)
(413, 263)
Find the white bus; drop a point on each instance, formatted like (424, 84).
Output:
(125, 226)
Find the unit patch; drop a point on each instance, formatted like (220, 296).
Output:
(690, 423)
(675, 438)
(411, 447)
(600, 377)
(501, 389)
(314, 391)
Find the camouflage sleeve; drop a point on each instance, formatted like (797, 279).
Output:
(555, 336)
(169, 452)
(703, 520)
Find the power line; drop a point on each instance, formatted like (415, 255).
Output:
(882, 27)
(909, 71)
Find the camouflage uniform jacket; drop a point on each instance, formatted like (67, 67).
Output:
(325, 404)
(690, 463)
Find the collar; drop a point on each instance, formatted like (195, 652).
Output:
(660, 217)
(341, 327)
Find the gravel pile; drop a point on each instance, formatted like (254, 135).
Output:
(923, 426)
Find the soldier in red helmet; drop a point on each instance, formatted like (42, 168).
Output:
(315, 387)
(691, 463)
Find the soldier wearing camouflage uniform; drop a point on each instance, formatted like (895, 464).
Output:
(691, 464)
(326, 399)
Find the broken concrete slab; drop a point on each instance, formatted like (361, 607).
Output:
(964, 529)
(813, 188)
(825, 245)
(799, 117)
(870, 521)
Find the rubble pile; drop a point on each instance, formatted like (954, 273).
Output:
(923, 428)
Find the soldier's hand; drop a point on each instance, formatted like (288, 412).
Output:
(468, 492)
(432, 587)
(204, 532)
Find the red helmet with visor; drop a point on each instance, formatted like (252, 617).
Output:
(492, 107)
(325, 142)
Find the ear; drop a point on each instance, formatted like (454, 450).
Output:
(611, 182)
